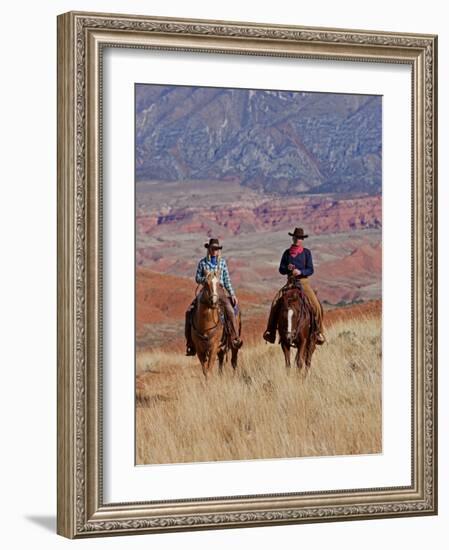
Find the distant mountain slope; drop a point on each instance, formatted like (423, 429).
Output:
(278, 142)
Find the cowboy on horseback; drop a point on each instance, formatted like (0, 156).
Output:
(214, 262)
(296, 262)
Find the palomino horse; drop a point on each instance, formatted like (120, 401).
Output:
(297, 326)
(209, 334)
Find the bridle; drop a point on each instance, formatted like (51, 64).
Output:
(209, 296)
(295, 300)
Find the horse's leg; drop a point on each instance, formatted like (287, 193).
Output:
(202, 356)
(300, 354)
(310, 349)
(234, 356)
(221, 356)
(235, 352)
(286, 349)
(212, 357)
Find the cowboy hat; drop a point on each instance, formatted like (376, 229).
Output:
(298, 233)
(213, 243)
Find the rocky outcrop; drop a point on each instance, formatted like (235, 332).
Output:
(317, 215)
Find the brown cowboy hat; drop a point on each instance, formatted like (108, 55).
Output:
(213, 243)
(298, 233)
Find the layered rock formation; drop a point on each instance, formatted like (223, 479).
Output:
(318, 215)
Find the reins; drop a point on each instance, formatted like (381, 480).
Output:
(210, 331)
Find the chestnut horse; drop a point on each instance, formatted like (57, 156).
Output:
(209, 333)
(297, 325)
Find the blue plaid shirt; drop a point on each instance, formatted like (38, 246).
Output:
(206, 265)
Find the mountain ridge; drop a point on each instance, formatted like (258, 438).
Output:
(287, 143)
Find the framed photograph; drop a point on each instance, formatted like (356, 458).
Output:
(247, 274)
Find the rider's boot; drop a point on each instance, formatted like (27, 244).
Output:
(237, 343)
(270, 334)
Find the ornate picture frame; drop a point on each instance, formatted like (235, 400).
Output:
(82, 40)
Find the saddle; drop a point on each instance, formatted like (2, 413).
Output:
(291, 284)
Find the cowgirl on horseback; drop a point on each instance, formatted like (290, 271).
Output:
(213, 261)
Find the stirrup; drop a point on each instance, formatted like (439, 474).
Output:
(190, 352)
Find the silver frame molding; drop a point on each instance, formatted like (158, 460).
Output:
(81, 38)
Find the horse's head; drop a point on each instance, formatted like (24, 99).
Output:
(210, 288)
(291, 297)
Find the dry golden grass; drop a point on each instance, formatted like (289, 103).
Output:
(264, 410)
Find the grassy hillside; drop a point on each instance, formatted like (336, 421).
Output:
(264, 410)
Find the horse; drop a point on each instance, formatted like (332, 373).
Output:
(297, 325)
(209, 334)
